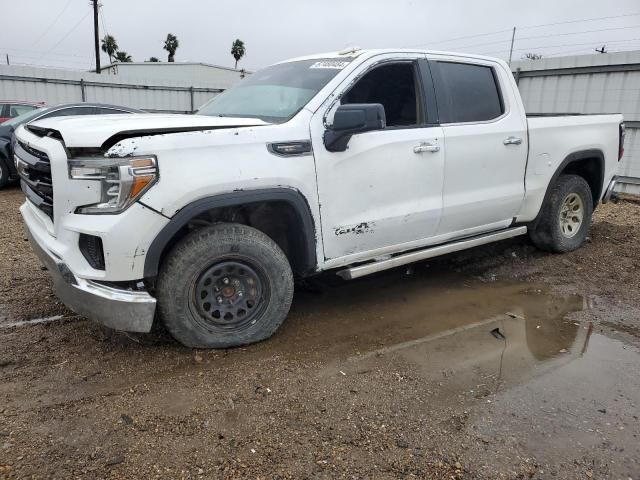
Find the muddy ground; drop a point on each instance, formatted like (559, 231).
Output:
(501, 362)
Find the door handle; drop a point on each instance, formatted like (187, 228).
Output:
(426, 147)
(512, 141)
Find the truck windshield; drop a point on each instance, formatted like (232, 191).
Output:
(276, 93)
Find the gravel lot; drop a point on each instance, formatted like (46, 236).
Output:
(501, 362)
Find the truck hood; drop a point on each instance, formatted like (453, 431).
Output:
(105, 130)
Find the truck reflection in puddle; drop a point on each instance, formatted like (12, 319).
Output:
(475, 335)
(482, 355)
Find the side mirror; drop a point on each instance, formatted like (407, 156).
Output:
(351, 119)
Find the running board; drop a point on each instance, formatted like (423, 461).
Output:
(368, 268)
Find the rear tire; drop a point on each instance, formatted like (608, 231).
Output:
(224, 286)
(565, 218)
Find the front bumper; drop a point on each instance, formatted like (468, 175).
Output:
(131, 311)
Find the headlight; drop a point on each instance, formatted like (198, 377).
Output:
(123, 180)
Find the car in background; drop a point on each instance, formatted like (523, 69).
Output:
(7, 167)
(10, 109)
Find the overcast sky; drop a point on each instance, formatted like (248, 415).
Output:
(60, 32)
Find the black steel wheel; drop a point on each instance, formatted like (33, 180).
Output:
(223, 286)
(230, 295)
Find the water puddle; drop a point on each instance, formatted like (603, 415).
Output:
(445, 313)
(518, 364)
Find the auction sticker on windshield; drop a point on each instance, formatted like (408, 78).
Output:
(335, 64)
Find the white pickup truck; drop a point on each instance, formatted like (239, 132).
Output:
(356, 161)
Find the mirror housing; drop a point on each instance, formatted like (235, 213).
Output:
(351, 119)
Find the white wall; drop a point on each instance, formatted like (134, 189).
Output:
(65, 86)
(196, 74)
(608, 83)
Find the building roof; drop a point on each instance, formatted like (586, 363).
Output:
(175, 64)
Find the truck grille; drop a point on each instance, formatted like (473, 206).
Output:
(34, 168)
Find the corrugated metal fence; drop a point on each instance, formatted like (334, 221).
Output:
(598, 83)
(65, 86)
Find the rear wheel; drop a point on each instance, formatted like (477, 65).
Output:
(565, 219)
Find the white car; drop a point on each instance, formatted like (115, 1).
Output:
(355, 161)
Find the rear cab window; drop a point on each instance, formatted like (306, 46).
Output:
(467, 92)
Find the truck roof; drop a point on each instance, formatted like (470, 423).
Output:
(359, 52)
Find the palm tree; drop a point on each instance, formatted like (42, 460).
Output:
(123, 57)
(153, 59)
(171, 44)
(109, 46)
(237, 50)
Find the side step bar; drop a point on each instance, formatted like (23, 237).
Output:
(368, 268)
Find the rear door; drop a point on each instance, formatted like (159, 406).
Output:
(486, 138)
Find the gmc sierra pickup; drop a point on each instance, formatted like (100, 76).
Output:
(356, 161)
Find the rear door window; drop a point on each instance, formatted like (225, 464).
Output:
(467, 92)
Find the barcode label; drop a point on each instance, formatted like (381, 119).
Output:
(335, 64)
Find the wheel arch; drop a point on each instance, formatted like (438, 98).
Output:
(303, 253)
(588, 164)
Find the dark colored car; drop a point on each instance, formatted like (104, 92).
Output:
(7, 166)
(11, 108)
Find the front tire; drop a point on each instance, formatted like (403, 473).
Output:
(565, 218)
(223, 286)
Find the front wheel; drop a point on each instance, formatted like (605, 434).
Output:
(565, 218)
(224, 286)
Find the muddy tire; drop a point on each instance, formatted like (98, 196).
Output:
(224, 286)
(565, 219)
(4, 173)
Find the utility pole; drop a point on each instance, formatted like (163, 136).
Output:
(513, 37)
(96, 34)
(8, 59)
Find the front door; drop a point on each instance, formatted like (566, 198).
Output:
(385, 191)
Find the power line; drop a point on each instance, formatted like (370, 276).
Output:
(580, 21)
(579, 33)
(536, 26)
(459, 38)
(103, 20)
(36, 58)
(46, 30)
(42, 51)
(544, 36)
(536, 47)
(67, 34)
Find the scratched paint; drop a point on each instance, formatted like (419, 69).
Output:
(359, 229)
(124, 148)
